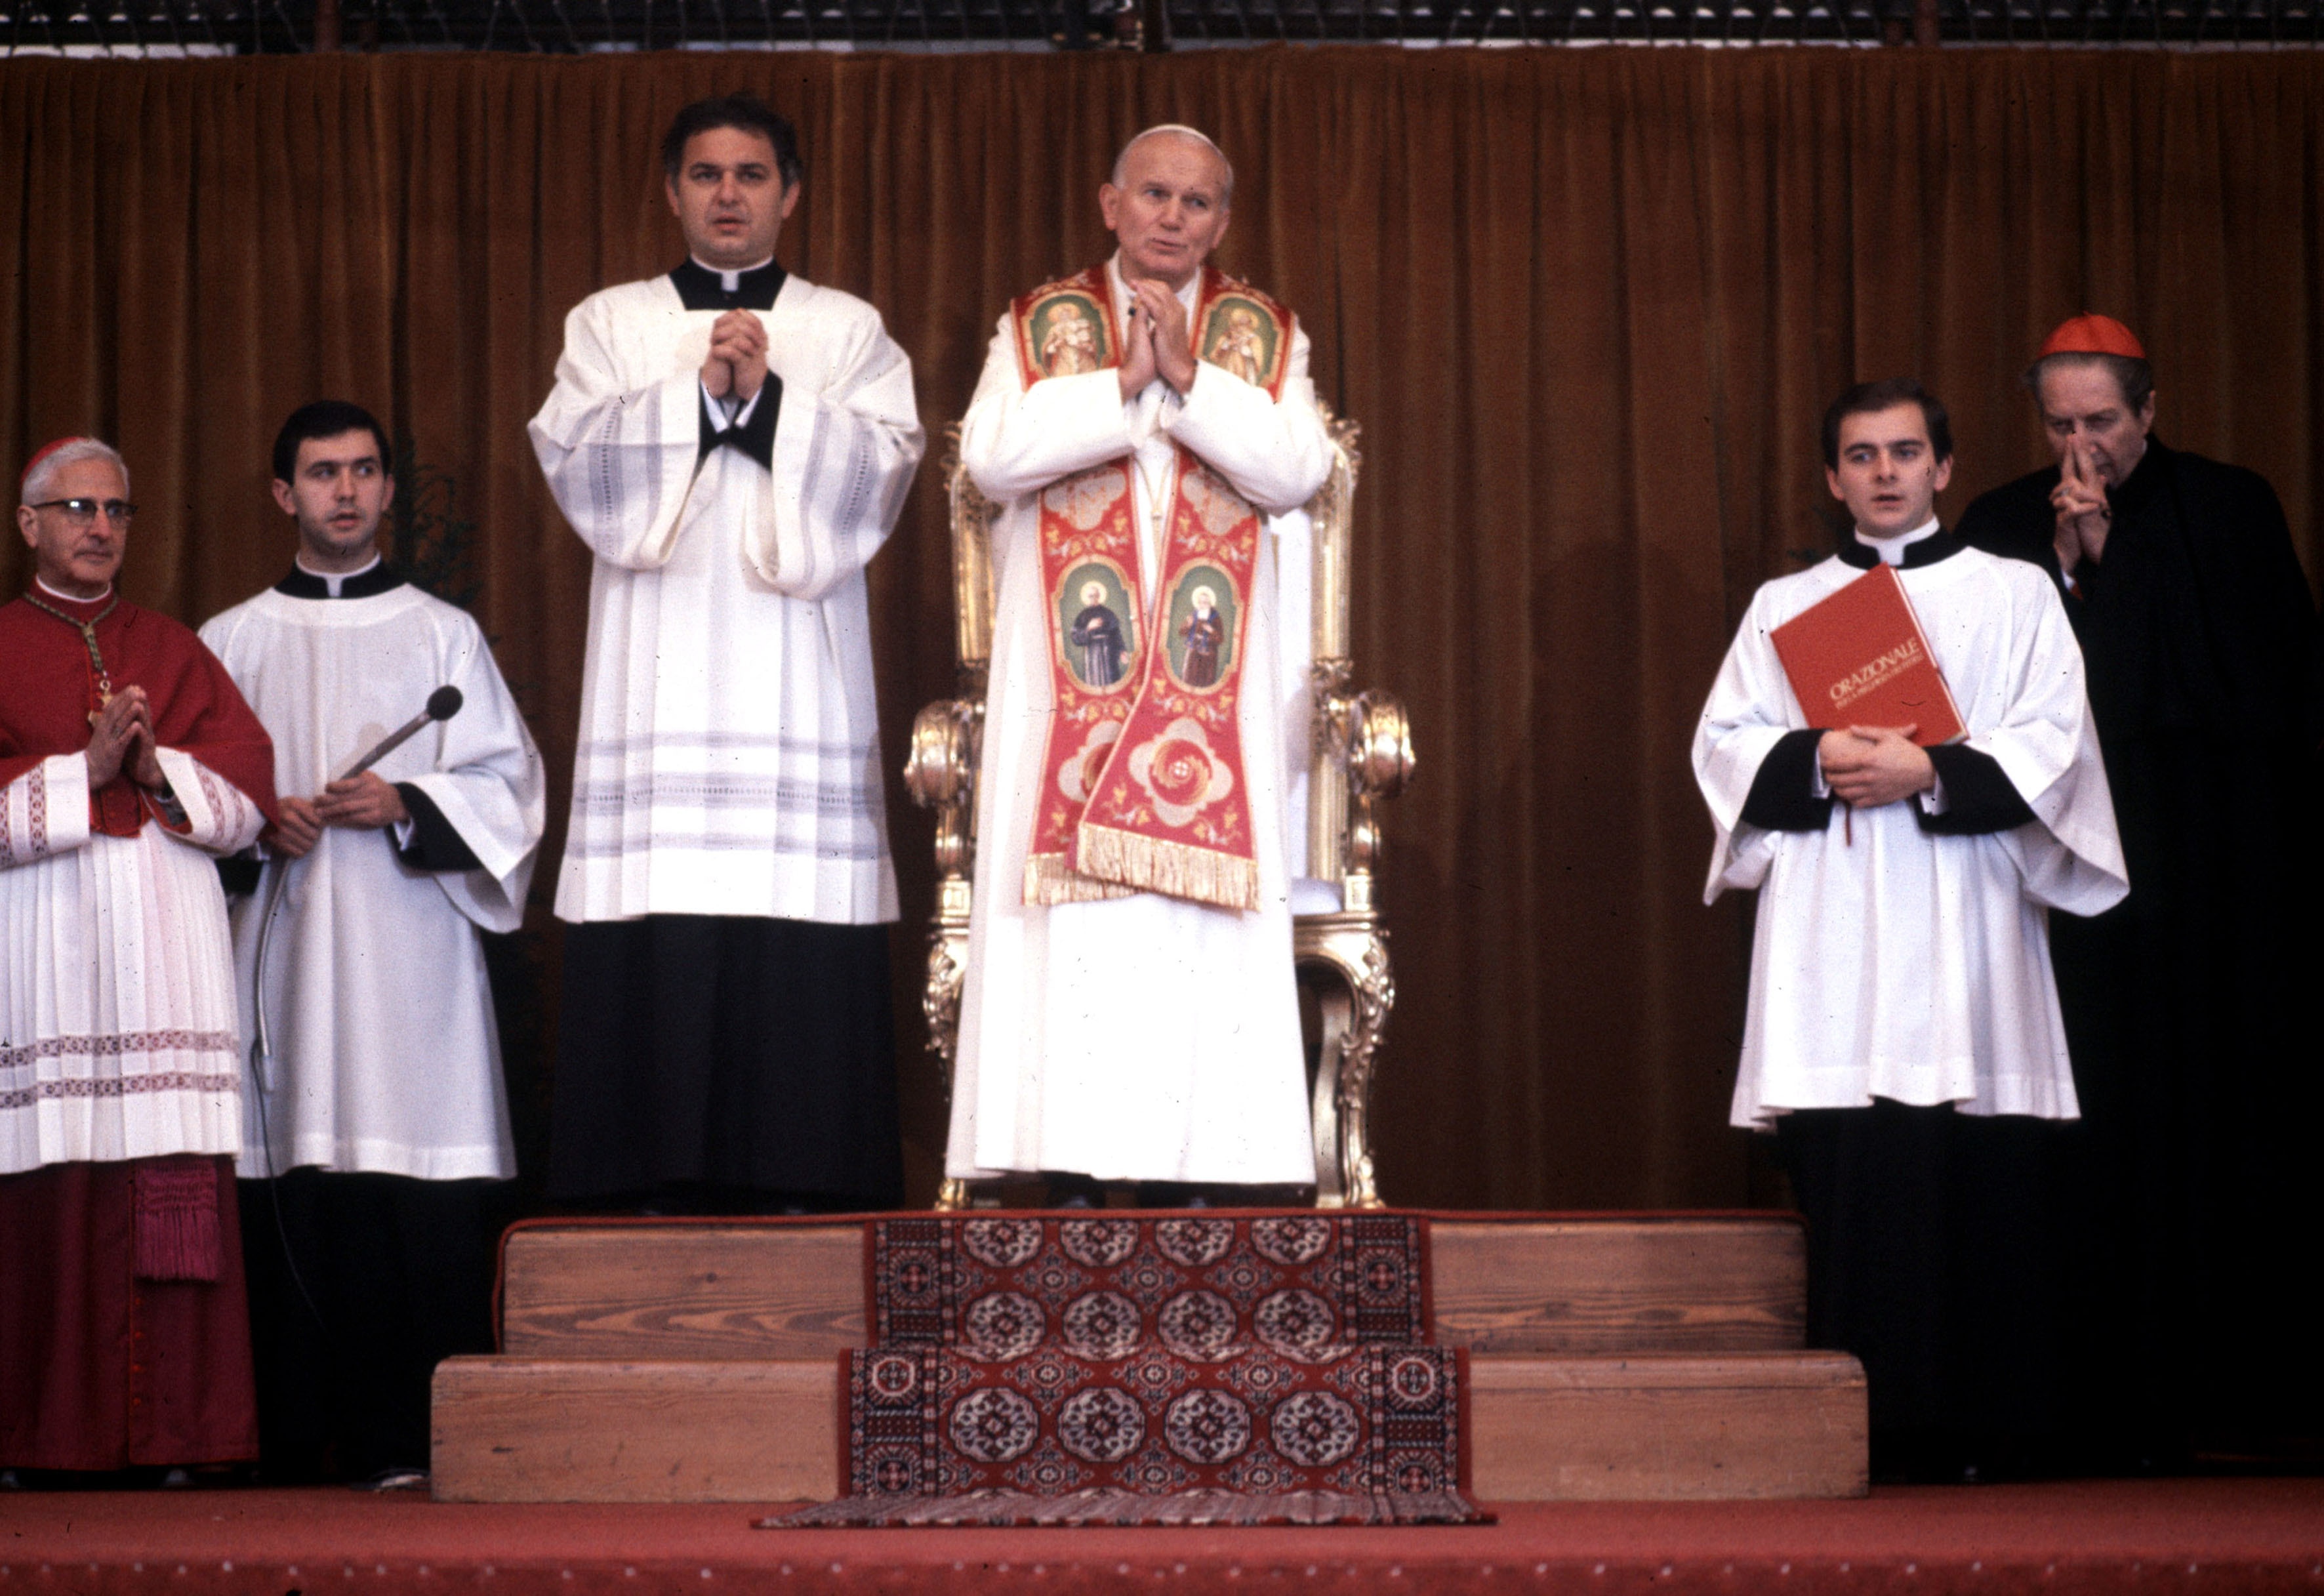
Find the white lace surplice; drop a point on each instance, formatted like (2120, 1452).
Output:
(118, 1032)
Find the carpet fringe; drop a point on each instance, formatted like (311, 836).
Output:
(1112, 1508)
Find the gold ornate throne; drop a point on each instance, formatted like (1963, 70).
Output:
(1361, 753)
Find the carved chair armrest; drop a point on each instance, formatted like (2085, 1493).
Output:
(1365, 739)
(941, 770)
(1379, 745)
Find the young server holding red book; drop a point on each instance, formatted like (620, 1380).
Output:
(1912, 795)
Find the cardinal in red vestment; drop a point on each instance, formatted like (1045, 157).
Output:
(127, 762)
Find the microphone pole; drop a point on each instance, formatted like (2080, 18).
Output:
(443, 703)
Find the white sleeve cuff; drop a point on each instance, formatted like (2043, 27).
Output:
(45, 810)
(724, 415)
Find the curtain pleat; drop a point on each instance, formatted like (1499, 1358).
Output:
(1587, 305)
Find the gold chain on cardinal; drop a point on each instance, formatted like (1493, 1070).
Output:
(102, 678)
(1143, 786)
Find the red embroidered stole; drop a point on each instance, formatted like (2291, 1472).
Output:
(1143, 787)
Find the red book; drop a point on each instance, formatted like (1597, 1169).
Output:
(1860, 659)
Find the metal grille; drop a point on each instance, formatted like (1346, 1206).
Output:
(204, 27)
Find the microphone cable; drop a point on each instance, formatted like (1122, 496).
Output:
(442, 705)
(261, 1056)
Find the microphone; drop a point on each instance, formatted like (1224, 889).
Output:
(443, 703)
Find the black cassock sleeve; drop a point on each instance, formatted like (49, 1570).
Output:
(1978, 796)
(435, 846)
(1783, 794)
(238, 875)
(755, 436)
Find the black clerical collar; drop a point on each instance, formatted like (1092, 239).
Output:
(1937, 546)
(701, 289)
(302, 583)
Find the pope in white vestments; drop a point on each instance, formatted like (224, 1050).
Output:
(1145, 1038)
(733, 444)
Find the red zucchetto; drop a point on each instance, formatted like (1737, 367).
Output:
(2089, 334)
(43, 453)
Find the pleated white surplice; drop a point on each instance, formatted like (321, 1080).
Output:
(385, 1057)
(1889, 962)
(728, 759)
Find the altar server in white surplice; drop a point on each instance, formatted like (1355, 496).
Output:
(1903, 1036)
(733, 444)
(1110, 1033)
(378, 1131)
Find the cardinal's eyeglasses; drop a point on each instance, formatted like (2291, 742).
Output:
(81, 511)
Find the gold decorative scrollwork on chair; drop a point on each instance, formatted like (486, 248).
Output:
(1362, 752)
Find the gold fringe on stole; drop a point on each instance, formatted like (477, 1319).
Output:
(1179, 870)
(1050, 877)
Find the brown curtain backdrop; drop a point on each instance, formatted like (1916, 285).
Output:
(1587, 305)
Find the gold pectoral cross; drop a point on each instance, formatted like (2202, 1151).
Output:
(88, 640)
(97, 663)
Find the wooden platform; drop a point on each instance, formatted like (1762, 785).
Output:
(1611, 1359)
(1656, 1426)
(659, 1290)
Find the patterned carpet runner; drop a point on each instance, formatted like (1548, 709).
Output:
(1195, 1369)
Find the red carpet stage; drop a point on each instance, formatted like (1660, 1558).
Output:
(2154, 1538)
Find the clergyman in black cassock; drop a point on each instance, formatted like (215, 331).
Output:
(2188, 1008)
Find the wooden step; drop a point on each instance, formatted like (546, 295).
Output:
(663, 1291)
(1665, 1426)
(1683, 1283)
(572, 1430)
